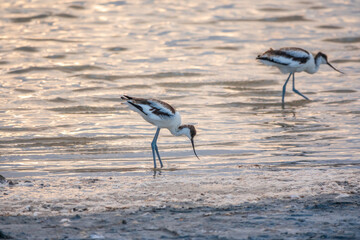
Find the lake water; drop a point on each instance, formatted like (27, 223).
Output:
(65, 64)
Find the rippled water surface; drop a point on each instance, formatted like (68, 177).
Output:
(65, 64)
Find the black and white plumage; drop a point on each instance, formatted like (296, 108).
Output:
(162, 115)
(291, 60)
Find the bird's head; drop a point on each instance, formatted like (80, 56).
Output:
(190, 132)
(321, 58)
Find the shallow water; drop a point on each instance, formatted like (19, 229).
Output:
(64, 65)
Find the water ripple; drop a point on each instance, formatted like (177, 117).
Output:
(291, 18)
(117, 49)
(227, 48)
(329, 27)
(85, 110)
(60, 100)
(59, 141)
(41, 16)
(272, 9)
(56, 56)
(346, 61)
(22, 90)
(22, 129)
(294, 18)
(77, 7)
(68, 69)
(342, 102)
(51, 40)
(234, 84)
(28, 19)
(155, 75)
(26, 49)
(343, 40)
(65, 15)
(341, 91)
(87, 89)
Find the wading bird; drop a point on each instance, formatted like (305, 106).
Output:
(162, 115)
(291, 60)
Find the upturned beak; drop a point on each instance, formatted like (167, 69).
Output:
(334, 68)
(192, 143)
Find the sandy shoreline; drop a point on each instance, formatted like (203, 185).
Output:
(323, 217)
(60, 194)
(257, 204)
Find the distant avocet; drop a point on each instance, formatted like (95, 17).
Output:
(291, 60)
(162, 115)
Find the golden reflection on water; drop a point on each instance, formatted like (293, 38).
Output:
(64, 65)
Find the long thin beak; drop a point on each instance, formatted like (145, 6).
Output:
(334, 68)
(192, 143)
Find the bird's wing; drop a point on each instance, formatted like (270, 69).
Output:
(161, 109)
(291, 57)
(151, 108)
(296, 56)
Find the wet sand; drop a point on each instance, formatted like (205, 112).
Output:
(321, 217)
(261, 205)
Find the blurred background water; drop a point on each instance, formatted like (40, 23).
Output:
(65, 64)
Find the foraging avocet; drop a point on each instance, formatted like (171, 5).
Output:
(291, 60)
(162, 115)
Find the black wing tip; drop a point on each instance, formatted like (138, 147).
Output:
(266, 59)
(126, 97)
(138, 107)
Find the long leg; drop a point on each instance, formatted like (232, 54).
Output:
(296, 91)
(154, 148)
(157, 153)
(284, 90)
